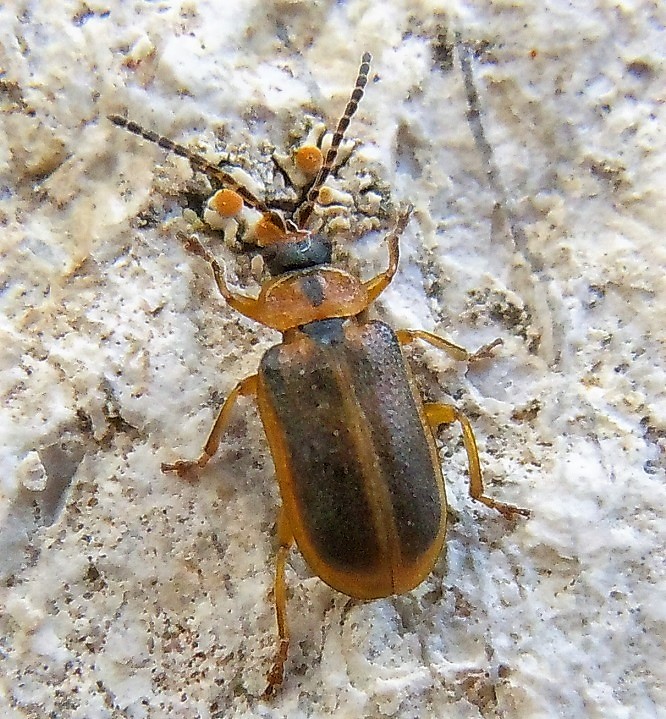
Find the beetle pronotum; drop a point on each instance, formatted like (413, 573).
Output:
(352, 442)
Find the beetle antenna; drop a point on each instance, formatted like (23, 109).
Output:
(198, 162)
(305, 210)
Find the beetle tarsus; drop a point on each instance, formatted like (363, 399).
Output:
(185, 469)
(485, 351)
(508, 511)
(192, 245)
(276, 675)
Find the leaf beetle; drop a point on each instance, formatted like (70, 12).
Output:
(352, 442)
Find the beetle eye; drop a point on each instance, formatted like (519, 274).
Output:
(308, 159)
(226, 203)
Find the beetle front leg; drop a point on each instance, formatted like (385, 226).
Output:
(276, 674)
(182, 467)
(437, 414)
(247, 306)
(375, 286)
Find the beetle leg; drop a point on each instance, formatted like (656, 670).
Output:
(437, 414)
(247, 306)
(378, 284)
(276, 674)
(183, 468)
(451, 348)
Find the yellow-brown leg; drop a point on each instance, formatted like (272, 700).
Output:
(451, 348)
(378, 284)
(248, 306)
(438, 414)
(184, 468)
(276, 674)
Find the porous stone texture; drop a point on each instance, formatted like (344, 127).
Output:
(538, 218)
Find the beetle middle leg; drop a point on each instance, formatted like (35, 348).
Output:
(183, 468)
(438, 414)
(451, 348)
(285, 539)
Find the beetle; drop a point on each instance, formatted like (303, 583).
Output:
(352, 442)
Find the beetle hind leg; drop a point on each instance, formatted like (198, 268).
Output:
(276, 673)
(438, 414)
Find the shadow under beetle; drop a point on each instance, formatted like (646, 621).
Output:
(352, 442)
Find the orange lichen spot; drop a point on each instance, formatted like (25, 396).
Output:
(308, 159)
(266, 232)
(226, 203)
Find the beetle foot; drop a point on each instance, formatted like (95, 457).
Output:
(485, 351)
(403, 218)
(185, 469)
(276, 674)
(508, 511)
(192, 244)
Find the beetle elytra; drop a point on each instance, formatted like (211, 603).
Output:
(352, 442)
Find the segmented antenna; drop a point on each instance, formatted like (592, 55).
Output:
(302, 214)
(196, 161)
